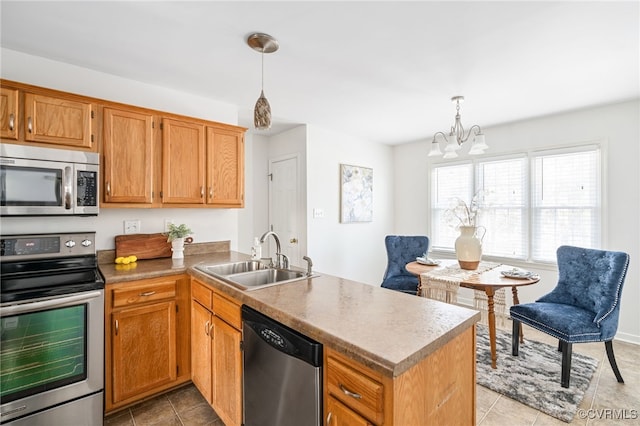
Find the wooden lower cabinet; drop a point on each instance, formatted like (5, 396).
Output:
(438, 390)
(216, 356)
(341, 415)
(147, 338)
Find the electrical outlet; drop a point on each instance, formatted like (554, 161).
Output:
(132, 226)
(168, 222)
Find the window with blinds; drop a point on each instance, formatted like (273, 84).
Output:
(532, 203)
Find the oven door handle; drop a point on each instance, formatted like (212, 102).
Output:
(49, 303)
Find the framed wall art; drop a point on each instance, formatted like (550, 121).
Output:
(356, 194)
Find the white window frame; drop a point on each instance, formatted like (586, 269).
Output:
(601, 145)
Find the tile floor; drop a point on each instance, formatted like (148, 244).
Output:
(606, 402)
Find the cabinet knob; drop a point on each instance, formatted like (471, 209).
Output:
(329, 418)
(11, 121)
(30, 125)
(293, 240)
(206, 328)
(211, 192)
(201, 191)
(108, 188)
(147, 293)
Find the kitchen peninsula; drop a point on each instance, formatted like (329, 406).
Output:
(411, 359)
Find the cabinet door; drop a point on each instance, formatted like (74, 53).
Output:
(339, 414)
(8, 113)
(201, 327)
(57, 121)
(128, 156)
(183, 162)
(225, 167)
(227, 373)
(144, 349)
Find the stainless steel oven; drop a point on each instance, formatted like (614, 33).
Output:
(51, 330)
(36, 181)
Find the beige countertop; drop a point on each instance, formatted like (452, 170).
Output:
(384, 329)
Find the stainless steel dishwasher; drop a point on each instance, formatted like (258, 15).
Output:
(282, 374)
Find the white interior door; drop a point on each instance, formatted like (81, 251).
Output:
(284, 197)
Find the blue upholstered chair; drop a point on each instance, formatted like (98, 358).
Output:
(400, 251)
(584, 306)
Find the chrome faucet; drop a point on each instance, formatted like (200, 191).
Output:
(309, 265)
(284, 263)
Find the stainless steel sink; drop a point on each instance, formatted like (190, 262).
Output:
(232, 268)
(251, 275)
(266, 276)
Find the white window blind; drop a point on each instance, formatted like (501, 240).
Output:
(566, 201)
(448, 182)
(533, 203)
(505, 211)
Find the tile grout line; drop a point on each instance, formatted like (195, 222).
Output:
(489, 410)
(175, 411)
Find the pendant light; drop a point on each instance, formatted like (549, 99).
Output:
(263, 43)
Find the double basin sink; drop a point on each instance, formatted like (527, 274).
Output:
(251, 274)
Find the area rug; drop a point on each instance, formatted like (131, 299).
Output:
(533, 377)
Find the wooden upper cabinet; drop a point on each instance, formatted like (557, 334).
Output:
(9, 113)
(128, 153)
(58, 121)
(225, 167)
(183, 162)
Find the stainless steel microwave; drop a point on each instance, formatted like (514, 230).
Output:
(37, 181)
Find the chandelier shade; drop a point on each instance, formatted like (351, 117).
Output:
(263, 43)
(456, 137)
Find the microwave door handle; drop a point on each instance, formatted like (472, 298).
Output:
(68, 187)
(50, 303)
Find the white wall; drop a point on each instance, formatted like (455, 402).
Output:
(207, 224)
(355, 251)
(617, 125)
(253, 219)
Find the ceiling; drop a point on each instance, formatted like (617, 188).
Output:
(380, 71)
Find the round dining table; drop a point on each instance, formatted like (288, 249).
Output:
(488, 281)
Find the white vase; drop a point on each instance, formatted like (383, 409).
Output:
(177, 248)
(469, 247)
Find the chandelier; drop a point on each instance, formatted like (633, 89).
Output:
(263, 43)
(456, 137)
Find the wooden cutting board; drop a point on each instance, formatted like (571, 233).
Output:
(143, 246)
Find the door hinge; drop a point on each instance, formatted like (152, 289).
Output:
(270, 176)
(92, 115)
(241, 345)
(177, 308)
(160, 194)
(91, 138)
(177, 370)
(161, 126)
(153, 124)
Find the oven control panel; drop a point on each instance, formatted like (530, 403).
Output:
(17, 247)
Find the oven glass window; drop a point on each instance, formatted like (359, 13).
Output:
(42, 350)
(30, 186)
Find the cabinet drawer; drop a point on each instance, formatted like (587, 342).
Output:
(202, 294)
(227, 310)
(355, 389)
(135, 294)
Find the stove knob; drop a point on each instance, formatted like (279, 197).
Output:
(86, 243)
(70, 244)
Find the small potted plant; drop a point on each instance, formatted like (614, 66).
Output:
(176, 236)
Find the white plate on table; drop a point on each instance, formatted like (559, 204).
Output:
(520, 275)
(427, 261)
